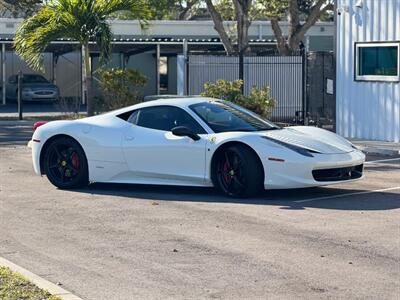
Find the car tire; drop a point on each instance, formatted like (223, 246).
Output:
(65, 164)
(238, 172)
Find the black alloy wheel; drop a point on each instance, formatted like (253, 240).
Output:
(65, 164)
(239, 172)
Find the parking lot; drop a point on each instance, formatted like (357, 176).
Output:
(150, 242)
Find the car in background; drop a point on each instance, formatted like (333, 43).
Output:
(35, 87)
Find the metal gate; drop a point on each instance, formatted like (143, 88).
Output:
(283, 74)
(321, 98)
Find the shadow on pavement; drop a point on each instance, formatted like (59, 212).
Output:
(284, 198)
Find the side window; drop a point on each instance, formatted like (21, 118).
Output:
(182, 118)
(165, 118)
(133, 117)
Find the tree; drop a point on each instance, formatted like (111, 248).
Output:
(242, 18)
(169, 10)
(313, 10)
(20, 7)
(84, 21)
(242, 10)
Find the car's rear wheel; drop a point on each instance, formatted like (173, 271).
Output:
(239, 172)
(65, 164)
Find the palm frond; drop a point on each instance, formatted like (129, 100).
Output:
(103, 41)
(81, 20)
(34, 36)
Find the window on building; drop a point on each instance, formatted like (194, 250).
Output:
(377, 61)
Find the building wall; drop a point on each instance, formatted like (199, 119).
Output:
(366, 110)
(320, 35)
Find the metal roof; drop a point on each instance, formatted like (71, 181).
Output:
(154, 40)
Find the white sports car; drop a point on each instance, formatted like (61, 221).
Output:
(193, 142)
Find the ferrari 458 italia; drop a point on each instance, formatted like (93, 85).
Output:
(192, 142)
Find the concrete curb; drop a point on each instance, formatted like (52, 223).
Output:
(40, 282)
(379, 151)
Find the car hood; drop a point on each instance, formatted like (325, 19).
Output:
(312, 138)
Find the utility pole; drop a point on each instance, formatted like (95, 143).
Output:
(19, 96)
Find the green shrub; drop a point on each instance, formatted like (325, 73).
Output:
(119, 88)
(258, 100)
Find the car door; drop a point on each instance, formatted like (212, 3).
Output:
(155, 155)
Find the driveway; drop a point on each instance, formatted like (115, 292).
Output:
(150, 242)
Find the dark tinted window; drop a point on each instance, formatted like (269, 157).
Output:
(34, 79)
(164, 118)
(378, 61)
(223, 116)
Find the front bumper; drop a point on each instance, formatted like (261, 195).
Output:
(298, 173)
(40, 95)
(36, 148)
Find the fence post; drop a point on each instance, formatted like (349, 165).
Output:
(158, 69)
(304, 83)
(186, 68)
(19, 95)
(3, 73)
(241, 70)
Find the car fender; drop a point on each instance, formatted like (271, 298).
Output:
(101, 143)
(216, 141)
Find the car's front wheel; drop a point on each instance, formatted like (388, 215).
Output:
(239, 172)
(65, 164)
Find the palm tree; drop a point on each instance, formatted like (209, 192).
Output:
(85, 21)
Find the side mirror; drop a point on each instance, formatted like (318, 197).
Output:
(184, 131)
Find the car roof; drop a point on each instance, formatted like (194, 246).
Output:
(179, 102)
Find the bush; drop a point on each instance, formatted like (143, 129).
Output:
(258, 100)
(119, 88)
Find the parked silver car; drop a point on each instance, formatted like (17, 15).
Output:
(34, 88)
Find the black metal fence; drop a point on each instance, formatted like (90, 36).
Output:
(283, 74)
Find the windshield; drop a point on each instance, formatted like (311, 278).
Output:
(34, 79)
(224, 116)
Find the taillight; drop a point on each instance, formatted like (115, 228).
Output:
(38, 124)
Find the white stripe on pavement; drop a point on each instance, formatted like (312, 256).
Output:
(348, 194)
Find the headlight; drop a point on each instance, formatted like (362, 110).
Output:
(353, 146)
(298, 149)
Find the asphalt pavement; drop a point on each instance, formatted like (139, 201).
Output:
(35, 109)
(111, 241)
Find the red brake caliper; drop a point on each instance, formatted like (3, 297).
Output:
(227, 178)
(75, 161)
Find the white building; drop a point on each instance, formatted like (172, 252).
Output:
(368, 69)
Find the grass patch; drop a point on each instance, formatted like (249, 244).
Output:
(14, 286)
